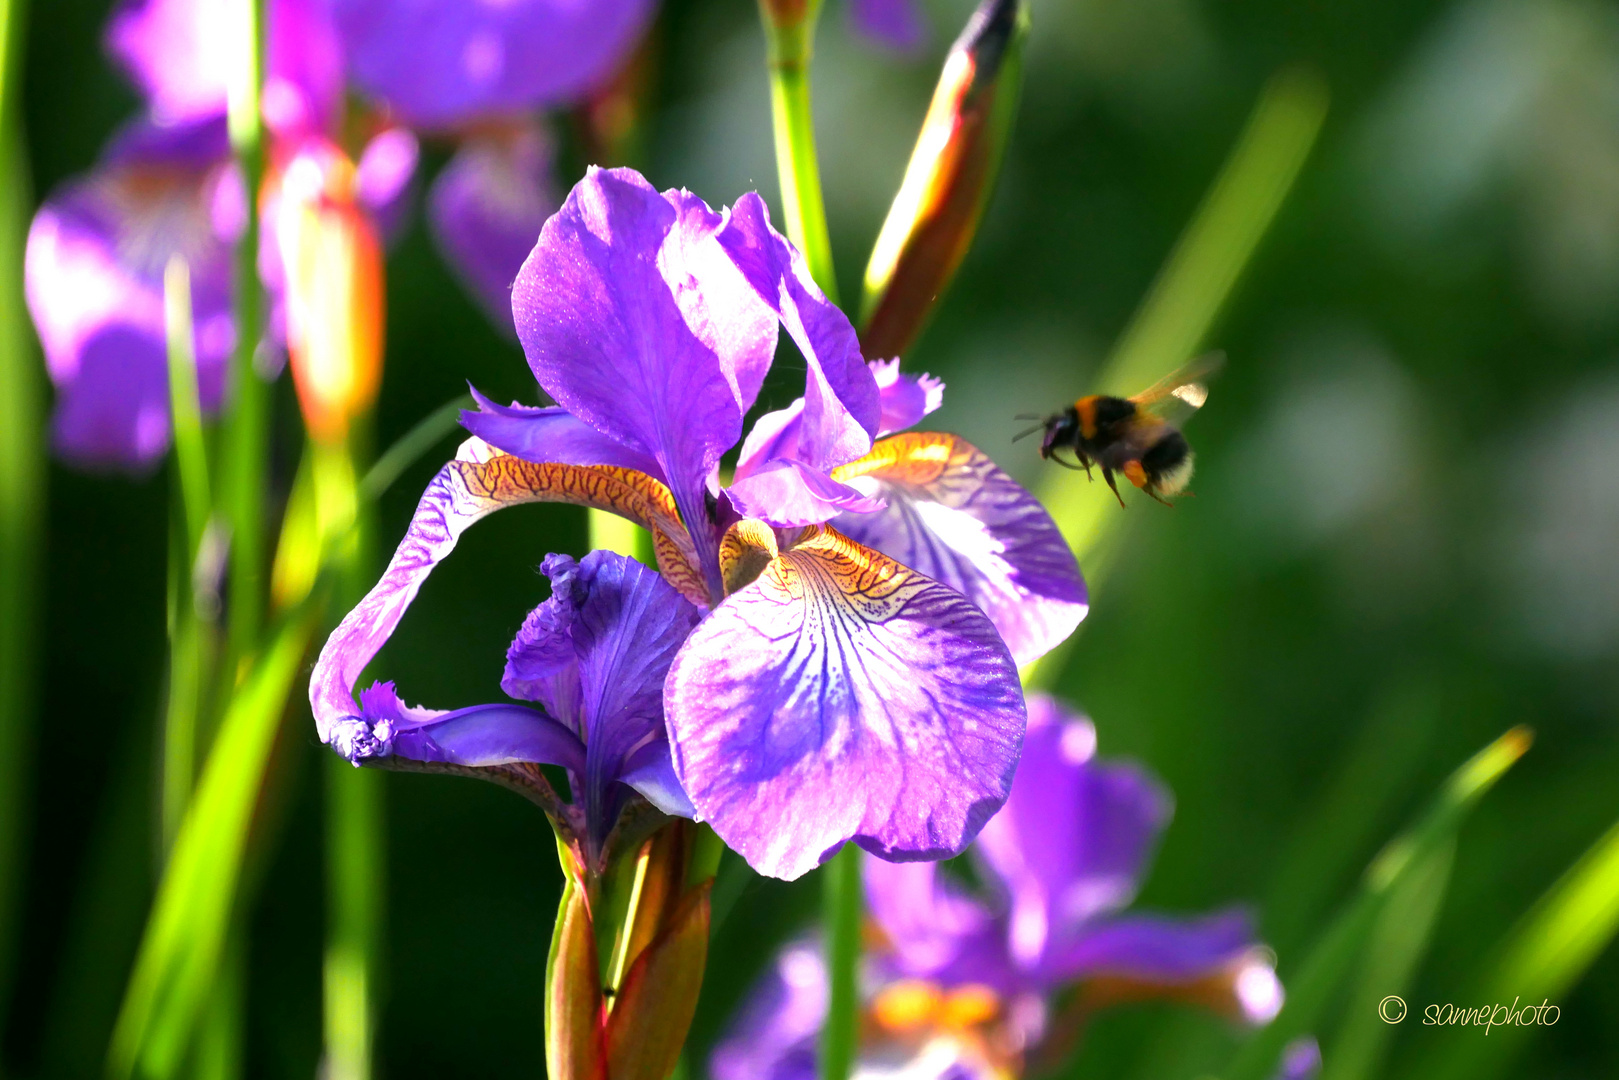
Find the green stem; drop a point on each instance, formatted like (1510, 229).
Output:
(247, 418)
(791, 38)
(354, 874)
(841, 914)
(22, 494)
(355, 863)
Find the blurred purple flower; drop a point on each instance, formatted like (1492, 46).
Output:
(164, 187)
(894, 24)
(445, 63)
(966, 984)
(1301, 1059)
(487, 207)
(593, 659)
(832, 692)
(93, 272)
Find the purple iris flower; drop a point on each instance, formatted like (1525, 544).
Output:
(965, 984)
(592, 659)
(93, 272)
(165, 186)
(833, 691)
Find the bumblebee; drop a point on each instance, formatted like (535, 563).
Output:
(1138, 436)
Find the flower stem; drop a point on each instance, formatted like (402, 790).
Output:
(247, 416)
(790, 36)
(22, 493)
(840, 912)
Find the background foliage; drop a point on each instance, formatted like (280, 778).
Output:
(1403, 541)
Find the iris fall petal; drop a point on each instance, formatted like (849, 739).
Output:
(842, 696)
(955, 516)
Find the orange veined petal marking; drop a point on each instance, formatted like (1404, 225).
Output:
(868, 579)
(918, 458)
(491, 476)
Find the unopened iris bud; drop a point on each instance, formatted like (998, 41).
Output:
(949, 179)
(332, 262)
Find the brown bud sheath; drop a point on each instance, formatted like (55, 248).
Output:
(948, 181)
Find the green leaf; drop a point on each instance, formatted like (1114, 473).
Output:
(429, 431)
(1539, 961)
(185, 934)
(1421, 853)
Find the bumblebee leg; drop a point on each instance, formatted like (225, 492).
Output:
(1053, 457)
(1137, 475)
(1107, 474)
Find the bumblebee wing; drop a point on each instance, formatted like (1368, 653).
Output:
(1181, 393)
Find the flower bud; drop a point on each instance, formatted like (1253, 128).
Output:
(948, 181)
(332, 265)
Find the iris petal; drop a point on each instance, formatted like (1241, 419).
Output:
(842, 407)
(94, 269)
(1154, 949)
(1075, 836)
(476, 484)
(608, 634)
(550, 434)
(487, 207)
(440, 62)
(932, 929)
(612, 311)
(956, 517)
(843, 696)
(477, 737)
(788, 494)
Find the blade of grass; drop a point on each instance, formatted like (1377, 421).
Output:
(246, 421)
(1334, 837)
(1178, 311)
(185, 934)
(1394, 949)
(1539, 962)
(1412, 855)
(22, 496)
(429, 431)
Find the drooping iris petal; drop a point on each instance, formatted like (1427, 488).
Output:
(476, 737)
(906, 399)
(550, 434)
(93, 272)
(1075, 836)
(843, 696)
(613, 310)
(1152, 947)
(956, 517)
(842, 407)
(382, 179)
(476, 484)
(487, 207)
(443, 62)
(651, 771)
(1214, 961)
(788, 494)
(895, 24)
(596, 654)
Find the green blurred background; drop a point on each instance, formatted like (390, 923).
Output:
(1405, 540)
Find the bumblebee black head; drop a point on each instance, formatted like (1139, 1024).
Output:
(1062, 429)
